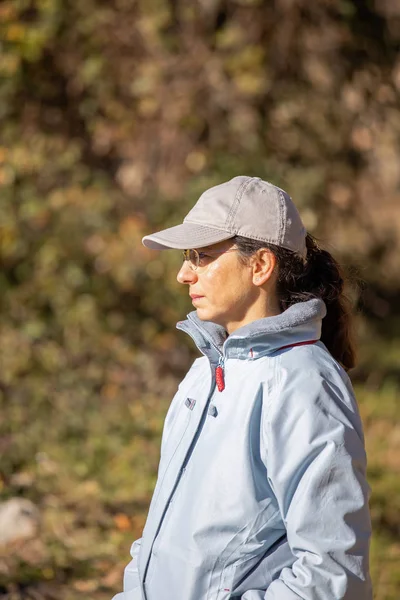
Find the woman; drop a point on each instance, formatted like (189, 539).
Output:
(261, 490)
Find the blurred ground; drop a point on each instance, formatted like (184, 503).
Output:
(114, 118)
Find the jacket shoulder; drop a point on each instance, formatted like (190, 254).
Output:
(314, 360)
(309, 383)
(200, 364)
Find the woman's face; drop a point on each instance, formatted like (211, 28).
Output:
(224, 290)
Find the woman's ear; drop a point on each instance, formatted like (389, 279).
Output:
(263, 264)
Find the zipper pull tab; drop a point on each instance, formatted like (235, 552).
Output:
(219, 375)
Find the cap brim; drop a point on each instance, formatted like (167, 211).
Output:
(186, 235)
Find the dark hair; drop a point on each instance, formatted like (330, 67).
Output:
(320, 276)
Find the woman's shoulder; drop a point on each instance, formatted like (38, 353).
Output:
(312, 360)
(199, 364)
(309, 381)
(199, 368)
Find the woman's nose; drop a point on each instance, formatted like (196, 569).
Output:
(186, 274)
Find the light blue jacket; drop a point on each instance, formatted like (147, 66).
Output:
(261, 491)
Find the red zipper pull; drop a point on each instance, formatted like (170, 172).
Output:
(219, 375)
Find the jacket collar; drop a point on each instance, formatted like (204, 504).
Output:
(301, 322)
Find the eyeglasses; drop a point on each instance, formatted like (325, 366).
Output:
(198, 259)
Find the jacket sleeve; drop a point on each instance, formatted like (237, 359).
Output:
(131, 576)
(316, 467)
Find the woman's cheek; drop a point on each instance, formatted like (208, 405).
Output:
(213, 268)
(213, 277)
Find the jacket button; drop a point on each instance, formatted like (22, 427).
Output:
(212, 410)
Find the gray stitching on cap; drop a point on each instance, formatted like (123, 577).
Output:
(204, 226)
(282, 216)
(199, 224)
(236, 202)
(202, 236)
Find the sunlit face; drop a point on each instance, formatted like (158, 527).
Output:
(222, 289)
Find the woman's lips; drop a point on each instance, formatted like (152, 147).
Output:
(195, 297)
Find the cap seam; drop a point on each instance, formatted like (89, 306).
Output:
(282, 215)
(236, 201)
(203, 225)
(156, 237)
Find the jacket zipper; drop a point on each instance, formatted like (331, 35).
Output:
(219, 372)
(220, 375)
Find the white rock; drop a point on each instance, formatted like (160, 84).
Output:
(19, 519)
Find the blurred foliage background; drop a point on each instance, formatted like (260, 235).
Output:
(115, 115)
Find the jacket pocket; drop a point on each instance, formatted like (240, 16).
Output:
(261, 571)
(226, 583)
(255, 572)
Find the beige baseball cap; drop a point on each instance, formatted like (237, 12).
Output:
(245, 206)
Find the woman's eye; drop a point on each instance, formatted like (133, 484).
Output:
(204, 255)
(204, 258)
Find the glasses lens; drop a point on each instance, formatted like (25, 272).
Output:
(192, 256)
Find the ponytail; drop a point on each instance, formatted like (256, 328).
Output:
(320, 276)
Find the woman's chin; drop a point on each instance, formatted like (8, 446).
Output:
(204, 313)
(208, 315)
